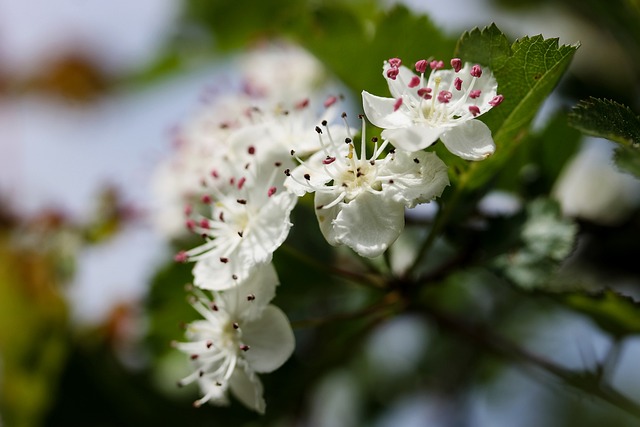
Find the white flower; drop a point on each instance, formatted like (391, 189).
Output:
(360, 202)
(241, 335)
(248, 217)
(443, 106)
(281, 72)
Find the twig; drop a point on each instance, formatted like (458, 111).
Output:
(586, 382)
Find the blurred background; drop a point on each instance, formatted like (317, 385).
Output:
(90, 94)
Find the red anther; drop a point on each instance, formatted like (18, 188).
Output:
(271, 191)
(206, 199)
(214, 173)
(436, 65)
(181, 257)
(475, 93)
(476, 71)
(444, 96)
(497, 100)
(456, 63)
(393, 72)
(395, 62)
(241, 182)
(328, 160)
(188, 210)
(251, 150)
(204, 223)
(415, 81)
(232, 181)
(421, 66)
(302, 104)
(397, 105)
(190, 224)
(330, 101)
(251, 297)
(473, 109)
(425, 92)
(244, 347)
(457, 83)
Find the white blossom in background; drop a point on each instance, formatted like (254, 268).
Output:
(443, 105)
(360, 201)
(240, 336)
(591, 188)
(282, 72)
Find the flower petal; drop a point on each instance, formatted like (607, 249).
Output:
(369, 224)
(270, 339)
(327, 216)
(418, 177)
(248, 300)
(247, 388)
(470, 140)
(412, 138)
(380, 112)
(270, 229)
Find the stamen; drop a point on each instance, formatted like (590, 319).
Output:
(415, 81)
(457, 83)
(436, 65)
(473, 109)
(497, 100)
(456, 63)
(393, 72)
(395, 62)
(271, 191)
(425, 93)
(476, 71)
(421, 66)
(181, 256)
(398, 104)
(444, 96)
(475, 93)
(330, 101)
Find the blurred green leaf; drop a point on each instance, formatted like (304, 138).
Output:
(606, 119)
(617, 314)
(167, 306)
(33, 337)
(628, 160)
(546, 239)
(339, 36)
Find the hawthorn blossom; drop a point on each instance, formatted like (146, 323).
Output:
(281, 72)
(360, 201)
(240, 336)
(247, 218)
(443, 105)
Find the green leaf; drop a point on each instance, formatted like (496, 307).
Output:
(628, 160)
(526, 72)
(354, 49)
(614, 313)
(606, 119)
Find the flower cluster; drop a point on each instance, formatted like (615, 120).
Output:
(249, 160)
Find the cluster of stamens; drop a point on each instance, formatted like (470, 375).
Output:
(340, 169)
(217, 345)
(233, 202)
(445, 103)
